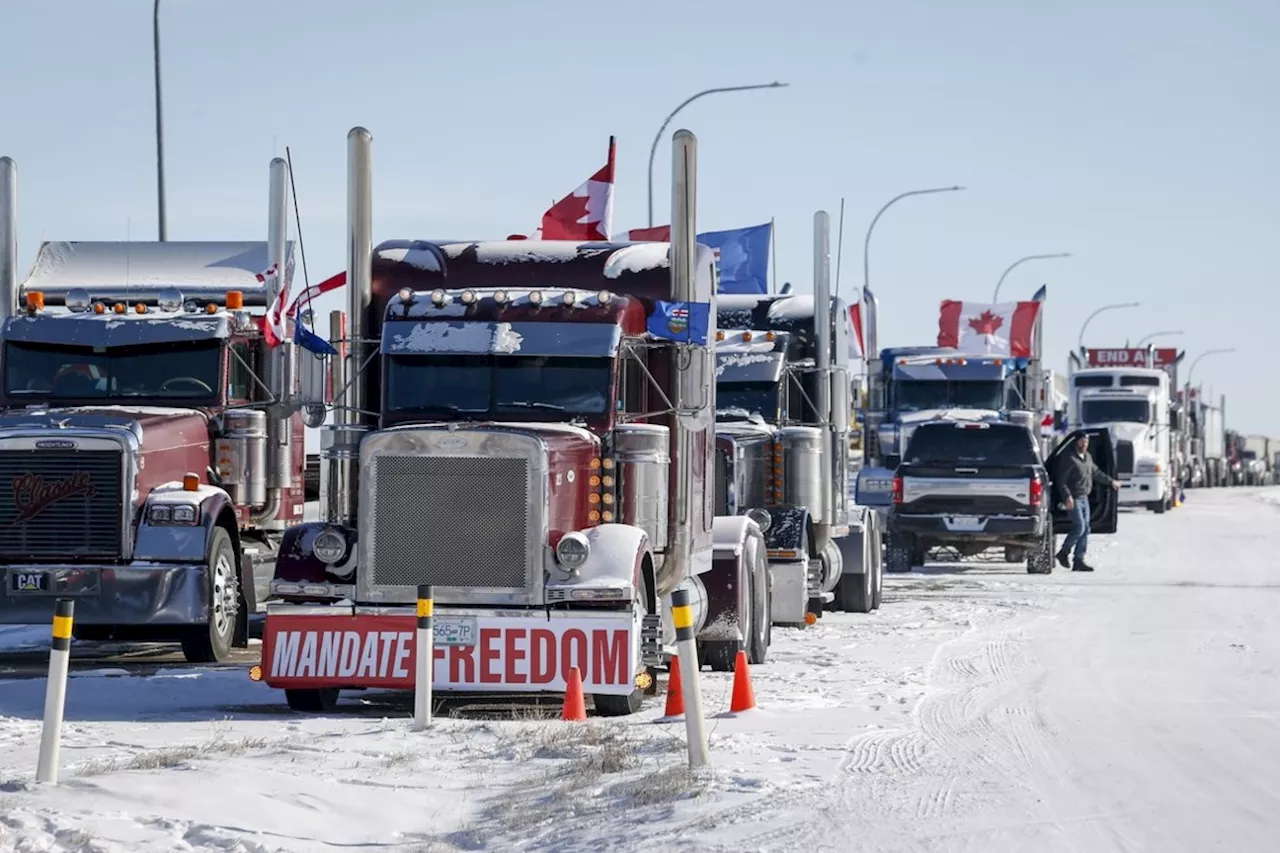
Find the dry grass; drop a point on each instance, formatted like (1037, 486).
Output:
(167, 757)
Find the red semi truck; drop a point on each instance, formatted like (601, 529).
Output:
(149, 460)
(541, 453)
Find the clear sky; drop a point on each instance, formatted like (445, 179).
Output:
(1142, 136)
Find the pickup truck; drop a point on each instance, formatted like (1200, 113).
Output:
(973, 485)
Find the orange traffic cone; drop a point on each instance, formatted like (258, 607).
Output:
(575, 706)
(675, 693)
(744, 699)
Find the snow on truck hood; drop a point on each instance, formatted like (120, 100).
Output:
(916, 418)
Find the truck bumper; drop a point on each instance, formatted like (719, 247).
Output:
(476, 650)
(154, 594)
(953, 528)
(1143, 489)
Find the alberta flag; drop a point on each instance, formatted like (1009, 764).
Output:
(686, 322)
(743, 254)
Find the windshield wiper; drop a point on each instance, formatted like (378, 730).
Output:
(535, 404)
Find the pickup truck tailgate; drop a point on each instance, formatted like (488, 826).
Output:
(966, 490)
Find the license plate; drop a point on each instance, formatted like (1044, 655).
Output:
(965, 522)
(454, 630)
(28, 581)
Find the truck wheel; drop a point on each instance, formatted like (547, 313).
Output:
(856, 593)
(877, 560)
(211, 643)
(1158, 507)
(897, 557)
(1040, 558)
(320, 700)
(761, 636)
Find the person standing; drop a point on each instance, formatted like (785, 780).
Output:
(1077, 475)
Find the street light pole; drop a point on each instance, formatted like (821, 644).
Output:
(155, 27)
(866, 243)
(1159, 335)
(995, 297)
(653, 149)
(1191, 371)
(1089, 319)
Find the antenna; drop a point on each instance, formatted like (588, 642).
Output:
(128, 248)
(297, 218)
(839, 246)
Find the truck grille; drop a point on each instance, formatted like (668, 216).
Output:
(1124, 457)
(450, 521)
(64, 505)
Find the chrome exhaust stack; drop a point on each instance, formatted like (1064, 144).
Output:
(8, 238)
(686, 394)
(340, 441)
(822, 340)
(280, 359)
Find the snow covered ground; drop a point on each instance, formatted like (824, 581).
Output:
(981, 709)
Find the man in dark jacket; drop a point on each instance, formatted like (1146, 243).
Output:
(1077, 475)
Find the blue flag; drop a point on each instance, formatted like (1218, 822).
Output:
(744, 257)
(310, 341)
(686, 322)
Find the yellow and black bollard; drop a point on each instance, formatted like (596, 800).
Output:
(425, 653)
(687, 649)
(55, 694)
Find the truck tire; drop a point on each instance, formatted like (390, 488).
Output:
(1040, 558)
(211, 642)
(1158, 507)
(320, 700)
(856, 593)
(761, 637)
(897, 557)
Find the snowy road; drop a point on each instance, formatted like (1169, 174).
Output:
(981, 709)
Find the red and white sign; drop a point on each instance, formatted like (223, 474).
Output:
(508, 655)
(1131, 357)
(1004, 329)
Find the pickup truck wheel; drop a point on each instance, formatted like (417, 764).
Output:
(320, 700)
(211, 643)
(1040, 559)
(897, 556)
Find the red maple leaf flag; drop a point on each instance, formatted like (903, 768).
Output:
(586, 214)
(857, 349)
(1004, 329)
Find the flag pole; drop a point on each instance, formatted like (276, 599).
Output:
(839, 246)
(773, 254)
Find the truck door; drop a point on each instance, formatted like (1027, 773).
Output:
(1104, 503)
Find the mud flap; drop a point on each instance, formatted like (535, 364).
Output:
(248, 602)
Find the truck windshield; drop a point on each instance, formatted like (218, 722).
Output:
(997, 444)
(913, 395)
(499, 384)
(167, 371)
(1115, 411)
(742, 399)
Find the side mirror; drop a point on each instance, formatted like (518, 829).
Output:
(313, 380)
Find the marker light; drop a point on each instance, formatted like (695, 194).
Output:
(211, 308)
(746, 337)
(406, 294)
(142, 309)
(118, 308)
(235, 300)
(770, 336)
(190, 483)
(501, 297)
(468, 297)
(35, 301)
(604, 297)
(99, 308)
(439, 297)
(535, 297)
(569, 297)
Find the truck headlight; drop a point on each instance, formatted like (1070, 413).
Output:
(761, 517)
(329, 546)
(572, 550)
(173, 514)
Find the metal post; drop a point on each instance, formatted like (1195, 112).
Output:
(866, 243)
(155, 31)
(8, 238)
(1089, 319)
(55, 694)
(687, 648)
(995, 297)
(653, 149)
(425, 651)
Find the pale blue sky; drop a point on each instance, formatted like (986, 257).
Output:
(1141, 136)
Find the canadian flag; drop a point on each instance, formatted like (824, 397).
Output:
(304, 299)
(273, 325)
(586, 214)
(858, 346)
(1004, 329)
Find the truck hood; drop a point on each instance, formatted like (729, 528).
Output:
(1135, 434)
(154, 427)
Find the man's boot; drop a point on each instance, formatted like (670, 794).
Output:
(1064, 560)
(1081, 566)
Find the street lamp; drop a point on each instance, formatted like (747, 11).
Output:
(1089, 319)
(155, 29)
(1192, 369)
(995, 297)
(866, 243)
(653, 150)
(1160, 335)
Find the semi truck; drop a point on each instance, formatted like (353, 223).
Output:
(151, 454)
(783, 384)
(1204, 441)
(909, 386)
(1128, 391)
(529, 427)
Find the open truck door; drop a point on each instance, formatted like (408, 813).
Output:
(1104, 502)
